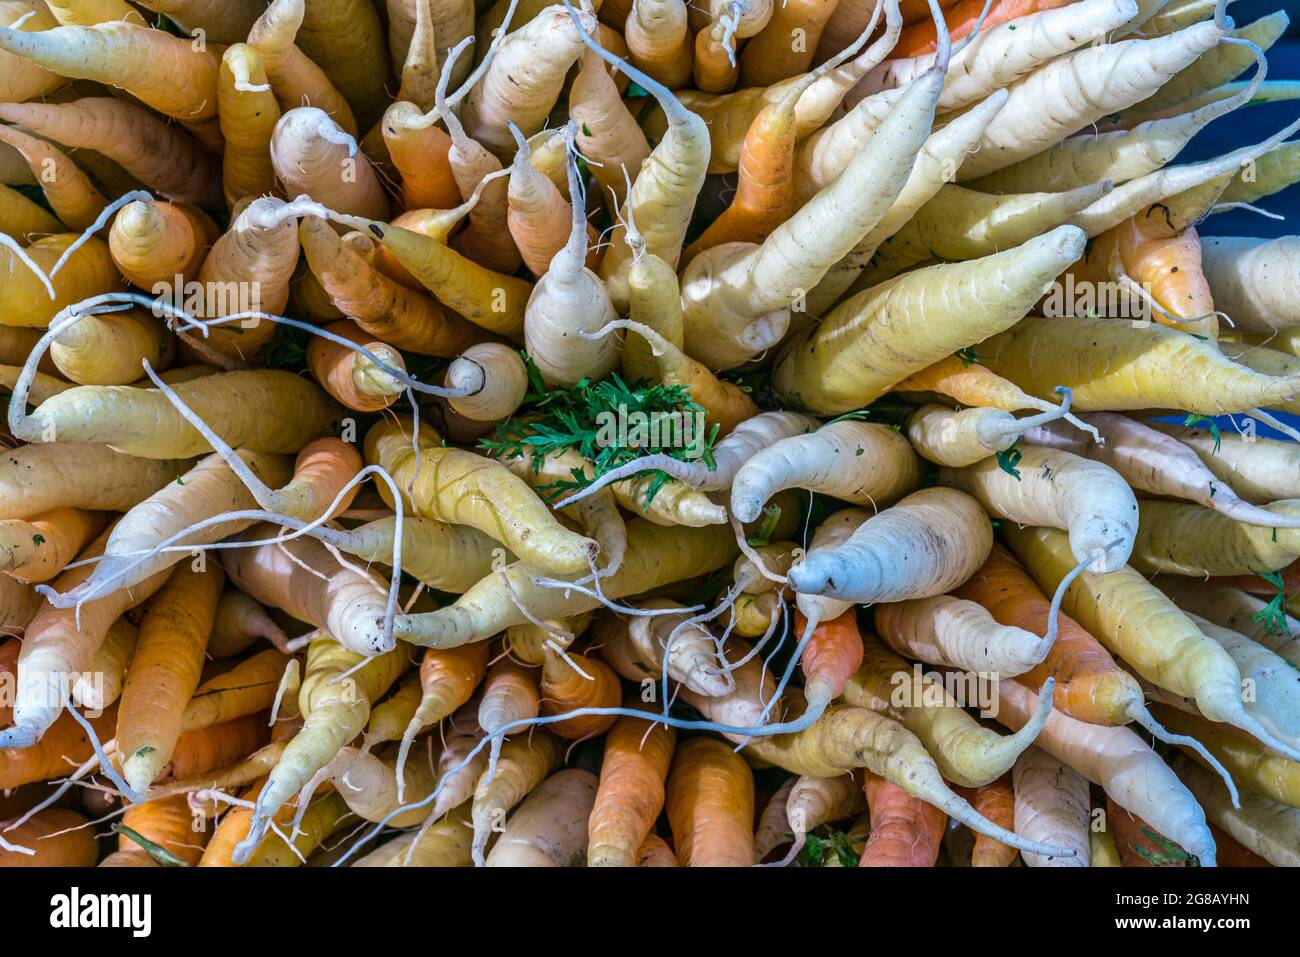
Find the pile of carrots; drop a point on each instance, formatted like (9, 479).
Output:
(657, 434)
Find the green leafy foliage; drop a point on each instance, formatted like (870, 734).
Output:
(287, 349)
(1008, 459)
(1199, 421)
(817, 849)
(1273, 615)
(1169, 853)
(763, 535)
(157, 852)
(556, 420)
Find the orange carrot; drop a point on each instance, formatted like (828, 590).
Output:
(918, 39)
(349, 376)
(1138, 843)
(833, 654)
(216, 746)
(997, 802)
(631, 792)
(74, 845)
(61, 748)
(655, 852)
(564, 689)
(710, 801)
(905, 831)
(714, 72)
(167, 822)
(419, 151)
(1090, 686)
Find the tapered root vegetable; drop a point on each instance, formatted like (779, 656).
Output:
(37, 550)
(447, 680)
(494, 379)
(1058, 489)
(636, 648)
(959, 633)
(144, 422)
(56, 837)
(960, 224)
(737, 297)
(1156, 463)
(524, 763)
(337, 691)
(148, 149)
(153, 243)
(1052, 805)
(158, 833)
(38, 478)
(1254, 280)
(295, 78)
(248, 113)
(663, 194)
(445, 844)
(968, 436)
(656, 555)
(571, 682)
(1170, 539)
(966, 753)
(247, 688)
(905, 830)
(550, 828)
(487, 298)
(449, 484)
(877, 338)
(60, 643)
(925, 545)
(710, 804)
(65, 741)
(354, 379)
(1263, 826)
(524, 79)
(1111, 365)
(813, 802)
(608, 134)
(385, 309)
(631, 791)
(24, 79)
(1090, 686)
(1122, 764)
(568, 301)
(133, 548)
(111, 349)
(71, 195)
(165, 672)
(305, 580)
(312, 154)
(239, 622)
(1256, 768)
(101, 683)
(170, 74)
(849, 737)
(1085, 88)
(1003, 53)
(25, 300)
(1135, 621)
(859, 462)
(23, 219)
